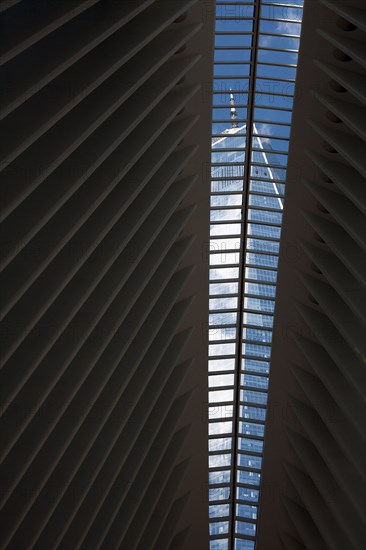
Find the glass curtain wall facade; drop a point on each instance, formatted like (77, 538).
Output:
(256, 47)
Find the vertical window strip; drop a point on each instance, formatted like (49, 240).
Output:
(256, 47)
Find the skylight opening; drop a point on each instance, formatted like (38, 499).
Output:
(255, 60)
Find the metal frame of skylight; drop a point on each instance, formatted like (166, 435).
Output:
(238, 328)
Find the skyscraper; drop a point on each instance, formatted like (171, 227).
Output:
(227, 476)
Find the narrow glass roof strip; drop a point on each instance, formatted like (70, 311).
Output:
(255, 230)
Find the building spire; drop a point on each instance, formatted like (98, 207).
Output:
(233, 113)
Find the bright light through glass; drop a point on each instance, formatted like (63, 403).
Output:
(256, 49)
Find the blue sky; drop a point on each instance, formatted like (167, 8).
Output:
(235, 62)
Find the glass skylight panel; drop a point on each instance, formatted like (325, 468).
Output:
(248, 461)
(252, 413)
(255, 59)
(220, 428)
(246, 494)
(219, 510)
(220, 444)
(248, 428)
(252, 445)
(220, 396)
(219, 544)
(246, 511)
(217, 495)
(221, 380)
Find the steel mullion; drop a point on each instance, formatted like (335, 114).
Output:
(257, 193)
(219, 121)
(276, 78)
(279, 4)
(279, 35)
(219, 373)
(231, 295)
(260, 121)
(239, 105)
(254, 373)
(228, 91)
(231, 76)
(261, 282)
(256, 178)
(235, 33)
(247, 537)
(280, 50)
(261, 252)
(252, 207)
(270, 151)
(234, 3)
(230, 386)
(235, 251)
(223, 281)
(269, 136)
(256, 358)
(232, 63)
(279, 20)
